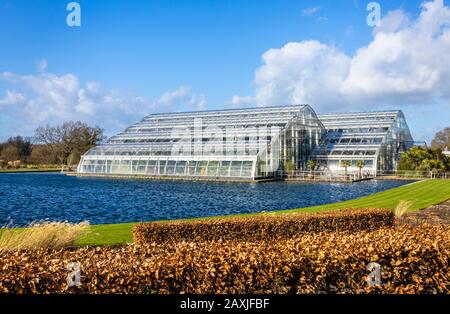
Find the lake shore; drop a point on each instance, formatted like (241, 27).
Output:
(25, 170)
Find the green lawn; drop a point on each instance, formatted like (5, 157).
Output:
(422, 194)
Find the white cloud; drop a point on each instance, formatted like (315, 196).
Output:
(305, 72)
(12, 98)
(311, 11)
(322, 19)
(406, 63)
(181, 99)
(238, 101)
(393, 22)
(47, 98)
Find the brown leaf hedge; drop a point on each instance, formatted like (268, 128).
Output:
(413, 260)
(269, 227)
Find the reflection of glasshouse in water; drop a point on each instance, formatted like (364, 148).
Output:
(248, 143)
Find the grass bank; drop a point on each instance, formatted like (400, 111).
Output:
(421, 194)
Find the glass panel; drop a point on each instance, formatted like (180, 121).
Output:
(247, 169)
(141, 166)
(191, 167)
(377, 140)
(108, 166)
(170, 168)
(151, 167)
(201, 168)
(225, 168)
(89, 166)
(212, 168)
(99, 167)
(124, 167)
(181, 165)
(162, 166)
(115, 166)
(236, 168)
(333, 163)
(134, 166)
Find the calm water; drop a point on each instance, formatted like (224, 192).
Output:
(36, 196)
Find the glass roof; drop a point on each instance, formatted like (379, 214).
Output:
(362, 135)
(236, 130)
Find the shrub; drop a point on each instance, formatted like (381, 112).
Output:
(413, 260)
(269, 227)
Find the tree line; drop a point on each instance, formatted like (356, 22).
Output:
(428, 159)
(424, 159)
(61, 145)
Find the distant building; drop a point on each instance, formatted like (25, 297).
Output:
(250, 143)
(446, 152)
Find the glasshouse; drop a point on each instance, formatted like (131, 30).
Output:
(250, 144)
(242, 143)
(370, 141)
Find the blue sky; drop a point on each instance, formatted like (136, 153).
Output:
(132, 58)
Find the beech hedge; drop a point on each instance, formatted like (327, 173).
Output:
(269, 227)
(412, 260)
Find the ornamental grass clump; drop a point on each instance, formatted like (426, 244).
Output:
(402, 208)
(44, 234)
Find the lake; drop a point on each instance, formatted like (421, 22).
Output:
(28, 197)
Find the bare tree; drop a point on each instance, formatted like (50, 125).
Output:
(9, 153)
(42, 155)
(442, 139)
(15, 148)
(69, 139)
